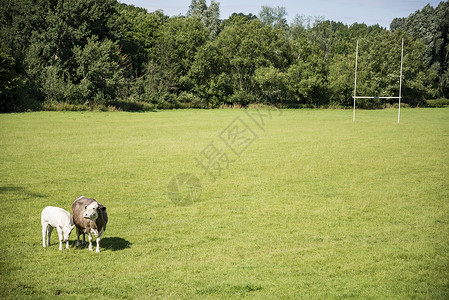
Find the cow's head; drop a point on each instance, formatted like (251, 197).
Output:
(91, 211)
(66, 230)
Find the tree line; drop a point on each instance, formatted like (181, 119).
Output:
(105, 54)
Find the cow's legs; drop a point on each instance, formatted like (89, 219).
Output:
(90, 241)
(84, 238)
(98, 240)
(78, 232)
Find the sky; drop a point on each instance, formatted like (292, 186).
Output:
(370, 12)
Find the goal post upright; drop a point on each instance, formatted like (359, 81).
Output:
(400, 80)
(355, 79)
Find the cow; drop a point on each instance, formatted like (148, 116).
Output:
(90, 217)
(56, 217)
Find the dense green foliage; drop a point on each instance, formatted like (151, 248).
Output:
(432, 26)
(103, 53)
(315, 208)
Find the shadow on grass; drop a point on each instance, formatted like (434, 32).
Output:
(115, 243)
(20, 190)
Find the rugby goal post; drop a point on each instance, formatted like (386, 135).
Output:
(376, 97)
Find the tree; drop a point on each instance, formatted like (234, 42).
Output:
(210, 16)
(307, 76)
(97, 51)
(300, 24)
(175, 48)
(7, 73)
(144, 29)
(101, 71)
(12, 83)
(432, 26)
(274, 16)
(271, 85)
(397, 23)
(239, 18)
(241, 48)
(341, 79)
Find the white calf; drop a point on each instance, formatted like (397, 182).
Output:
(52, 217)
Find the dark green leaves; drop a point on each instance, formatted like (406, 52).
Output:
(100, 52)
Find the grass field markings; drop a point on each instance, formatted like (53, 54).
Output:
(185, 188)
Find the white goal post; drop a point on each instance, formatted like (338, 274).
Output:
(374, 97)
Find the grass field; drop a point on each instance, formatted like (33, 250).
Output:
(304, 204)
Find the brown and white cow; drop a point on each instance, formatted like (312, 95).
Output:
(90, 217)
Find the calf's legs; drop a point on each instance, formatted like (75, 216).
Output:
(61, 238)
(90, 237)
(100, 235)
(49, 230)
(90, 241)
(46, 234)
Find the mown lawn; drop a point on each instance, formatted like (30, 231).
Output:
(294, 204)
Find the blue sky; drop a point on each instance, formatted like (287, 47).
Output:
(370, 12)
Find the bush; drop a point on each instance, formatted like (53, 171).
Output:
(241, 97)
(437, 102)
(188, 100)
(131, 105)
(64, 106)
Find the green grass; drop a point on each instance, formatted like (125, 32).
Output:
(316, 207)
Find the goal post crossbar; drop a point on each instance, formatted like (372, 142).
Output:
(367, 97)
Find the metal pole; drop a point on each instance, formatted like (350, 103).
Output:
(400, 81)
(375, 97)
(355, 79)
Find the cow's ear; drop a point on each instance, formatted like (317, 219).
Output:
(103, 207)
